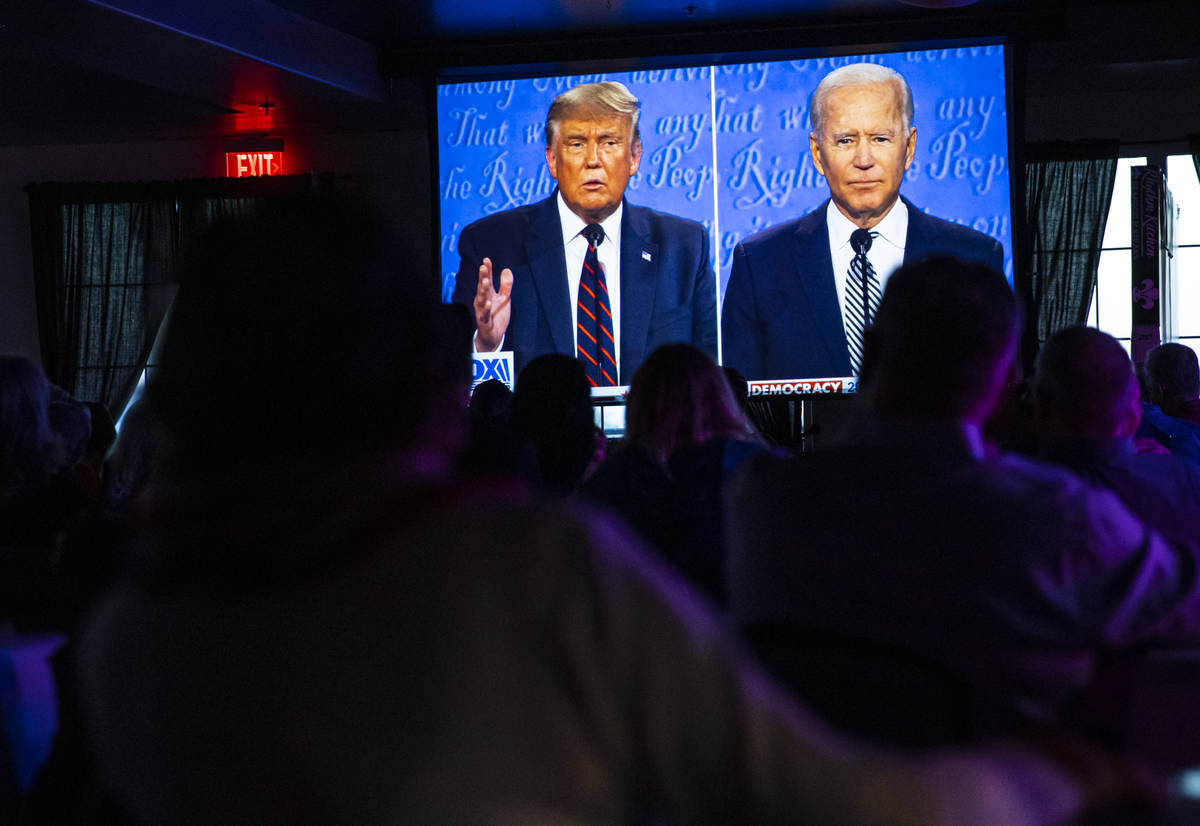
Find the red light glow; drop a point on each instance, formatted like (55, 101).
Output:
(253, 164)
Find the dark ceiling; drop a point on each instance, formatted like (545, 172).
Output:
(78, 71)
(389, 21)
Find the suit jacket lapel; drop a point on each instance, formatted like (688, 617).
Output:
(814, 263)
(916, 240)
(548, 271)
(639, 276)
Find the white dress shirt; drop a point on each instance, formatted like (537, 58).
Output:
(609, 253)
(887, 247)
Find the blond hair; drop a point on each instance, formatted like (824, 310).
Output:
(607, 96)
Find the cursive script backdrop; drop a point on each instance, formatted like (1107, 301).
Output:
(727, 145)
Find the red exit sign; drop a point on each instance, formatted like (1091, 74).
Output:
(253, 164)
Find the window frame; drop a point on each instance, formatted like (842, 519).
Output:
(1118, 322)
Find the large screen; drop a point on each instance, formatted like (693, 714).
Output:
(727, 146)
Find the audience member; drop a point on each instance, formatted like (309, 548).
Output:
(329, 628)
(38, 493)
(684, 435)
(30, 452)
(552, 407)
(1172, 412)
(491, 401)
(1010, 427)
(84, 563)
(493, 446)
(42, 434)
(1004, 573)
(1087, 409)
(1174, 372)
(682, 401)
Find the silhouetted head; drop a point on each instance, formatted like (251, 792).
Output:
(302, 330)
(491, 401)
(680, 398)
(943, 342)
(552, 406)
(1085, 387)
(1173, 372)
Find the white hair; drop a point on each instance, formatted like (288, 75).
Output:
(859, 74)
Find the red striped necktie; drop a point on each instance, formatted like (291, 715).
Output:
(594, 342)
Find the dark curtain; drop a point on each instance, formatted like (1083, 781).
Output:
(101, 254)
(103, 258)
(1194, 148)
(1068, 187)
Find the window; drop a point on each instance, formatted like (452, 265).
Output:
(1110, 308)
(1185, 187)
(102, 255)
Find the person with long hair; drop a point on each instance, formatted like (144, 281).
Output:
(684, 436)
(681, 399)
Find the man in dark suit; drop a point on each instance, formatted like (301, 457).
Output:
(798, 299)
(656, 279)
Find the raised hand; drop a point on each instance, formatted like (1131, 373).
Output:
(492, 307)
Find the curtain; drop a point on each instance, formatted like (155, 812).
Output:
(101, 255)
(1194, 148)
(1068, 187)
(103, 258)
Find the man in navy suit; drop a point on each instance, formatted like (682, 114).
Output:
(792, 289)
(656, 266)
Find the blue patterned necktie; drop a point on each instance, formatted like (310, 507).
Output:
(594, 342)
(861, 296)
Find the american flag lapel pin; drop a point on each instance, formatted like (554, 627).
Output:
(645, 255)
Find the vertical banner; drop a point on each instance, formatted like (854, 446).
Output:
(1152, 213)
